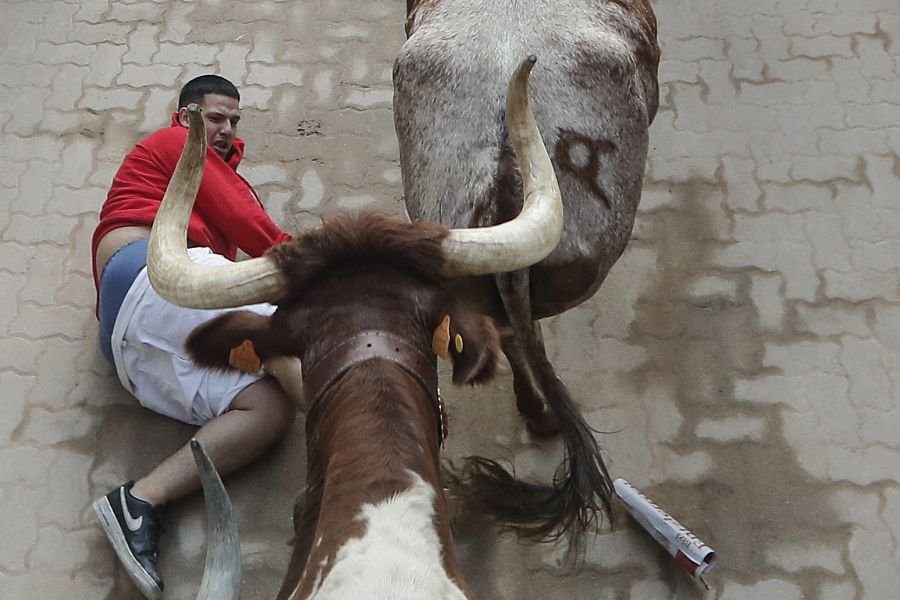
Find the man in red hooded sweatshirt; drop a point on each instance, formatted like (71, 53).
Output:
(142, 335)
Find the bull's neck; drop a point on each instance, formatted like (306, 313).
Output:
(374, 432)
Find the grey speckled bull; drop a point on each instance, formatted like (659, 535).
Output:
(594, 92)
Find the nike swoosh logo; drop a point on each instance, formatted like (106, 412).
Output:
(132, 523)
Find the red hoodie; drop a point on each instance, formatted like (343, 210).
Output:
(227, 214)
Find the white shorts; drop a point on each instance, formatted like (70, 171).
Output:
(148, 348)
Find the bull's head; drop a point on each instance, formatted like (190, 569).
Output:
(510, 246)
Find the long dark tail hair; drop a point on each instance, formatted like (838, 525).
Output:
(581, 492)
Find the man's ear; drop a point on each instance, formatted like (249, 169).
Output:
(473, 345)
(222, 343)
(183, 116)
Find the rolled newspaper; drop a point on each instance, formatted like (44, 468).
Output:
(688, 550)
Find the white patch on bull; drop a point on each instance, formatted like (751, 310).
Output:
(399, 557)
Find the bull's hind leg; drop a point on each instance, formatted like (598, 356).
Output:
(523, 334)
(539, 417)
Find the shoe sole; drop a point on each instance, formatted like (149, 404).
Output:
(113, 531)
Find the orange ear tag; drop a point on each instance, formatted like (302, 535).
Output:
(440, 341)
(244, 358)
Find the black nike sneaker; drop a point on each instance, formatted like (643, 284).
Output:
(133, 527)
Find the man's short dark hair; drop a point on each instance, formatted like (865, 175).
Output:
(197, 88)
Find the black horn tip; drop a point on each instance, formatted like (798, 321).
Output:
(195, 444)
(532, 58)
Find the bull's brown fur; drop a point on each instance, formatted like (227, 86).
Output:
(376, 422)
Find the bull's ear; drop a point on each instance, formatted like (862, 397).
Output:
(474, 346)
(211, 344)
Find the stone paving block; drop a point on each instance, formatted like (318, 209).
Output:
(91, 11)
(57, 24)
(791, 259)
(256, 97)
(96, 33)
(142, 44)
(106, 65)
(178, 54)
(66, 53)
(866, 284)
(137, 76)
(765, 292)
(50, 428)
(26, 111)
(177, 27)
(232, 62)
(772, 589)
(77, 163)
(679, 70)
(852, 85)
(870, 538)
(680, 170)
(870, 386)
(44, 228)
(35, 190)
(141, 11)
(160, 101)
(883, 256)
(78, 289)
(349, 32)
(264, 174)
(56, 585)
(804, 357)
(20, 526)
(9, 289)
(838, 591)
(45, 269)
(15, 389)
(268, 76)
(41, 321)
(61, 551)
(20, 45)
(833, 320)
(68, 472)
(99, 99)
(771, 227)
(794, 558)
(19, 353)
(732, 429)
(66, 88)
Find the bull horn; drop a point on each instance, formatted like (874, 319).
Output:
(222, 573)
(173, 275)
(535, 232)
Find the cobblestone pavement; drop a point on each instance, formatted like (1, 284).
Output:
(744, 355)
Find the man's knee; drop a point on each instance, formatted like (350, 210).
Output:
(269, 401)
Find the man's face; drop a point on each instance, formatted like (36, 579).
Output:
(220, 115)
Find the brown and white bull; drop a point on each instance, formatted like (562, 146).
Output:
(363, 302)
(594, 95)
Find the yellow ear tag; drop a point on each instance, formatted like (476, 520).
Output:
(459, 343)
(244, 358)
(440, 341)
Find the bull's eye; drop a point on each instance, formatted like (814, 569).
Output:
(369, 345)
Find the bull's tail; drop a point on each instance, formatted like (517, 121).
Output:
(581, 490)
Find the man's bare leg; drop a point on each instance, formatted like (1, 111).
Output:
(260, 415)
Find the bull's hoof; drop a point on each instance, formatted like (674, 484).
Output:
(545, 424)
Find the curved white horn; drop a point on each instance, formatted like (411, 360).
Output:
(222, 573)
(536, 231)
(173, 275)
